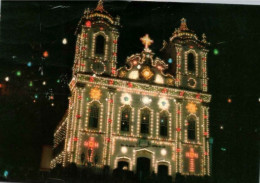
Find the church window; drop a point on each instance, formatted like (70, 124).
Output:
(191, 129)
(164, 124)
(100, 45)
(191, 62)
(93, 115)
(125, 118)
(145, 120)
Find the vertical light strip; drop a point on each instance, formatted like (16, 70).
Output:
(111, 127)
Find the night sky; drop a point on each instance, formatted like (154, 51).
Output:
(30, 28)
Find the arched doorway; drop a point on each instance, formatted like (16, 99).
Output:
(162, 171)
(143, 167)
(123, 165)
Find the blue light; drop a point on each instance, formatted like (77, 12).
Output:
(126, 98)
(170, 60)
(6, 173)
(29, 64)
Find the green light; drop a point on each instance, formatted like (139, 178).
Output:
(31, 84)
(18, 73)
(36, 96)
(58, 81)
(223, 149)
(215, 51)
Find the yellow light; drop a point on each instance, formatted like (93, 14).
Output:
(124, 149)
(147, 73)
(191, 107)
(95, 93)
(146, 41)
(163, 152)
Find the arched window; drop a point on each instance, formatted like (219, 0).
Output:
(125, 118)
(145, 120)
(191, 62)
(164, 124)
(191, 129)
(100, 45)
(93, 115)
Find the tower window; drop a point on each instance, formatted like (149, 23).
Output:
(100, 45)
(94, 115)
(145, 120)
(164, 124)
(191, 62)
(191, 129)
(125, 118)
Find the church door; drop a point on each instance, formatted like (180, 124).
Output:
(123, 165)
(162, 171)
(143, 167)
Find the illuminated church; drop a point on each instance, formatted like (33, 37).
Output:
(151, 115)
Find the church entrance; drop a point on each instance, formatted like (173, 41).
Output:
(143, 168)
(162, 171)
(123, 165)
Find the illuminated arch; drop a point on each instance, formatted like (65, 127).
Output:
(195, 60)
(100, 118)
(106, 37)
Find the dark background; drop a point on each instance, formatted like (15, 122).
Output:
(29, 28)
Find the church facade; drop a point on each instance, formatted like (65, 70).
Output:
(151, 113)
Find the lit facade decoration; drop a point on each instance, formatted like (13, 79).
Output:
(121, 115)
(95, 93)
(191, 107)
(126, 98)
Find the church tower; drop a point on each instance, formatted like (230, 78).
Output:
(96, 47)
(187, 57)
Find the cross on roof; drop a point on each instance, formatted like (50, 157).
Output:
(100, 6)
(146, 41)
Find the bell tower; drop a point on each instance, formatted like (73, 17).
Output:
(187, 58)
(96, 47)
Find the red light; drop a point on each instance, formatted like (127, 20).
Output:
(1, 85)
(45, 54)
(164, 90)
(75, 139)
(91, 79)
(110, 82)
(88, 24)
(198, 96)
(178, 129)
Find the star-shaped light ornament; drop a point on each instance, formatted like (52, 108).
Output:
(95, 93)
(126, 99)
(191, 107)
(147, 73)
(163, 103)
